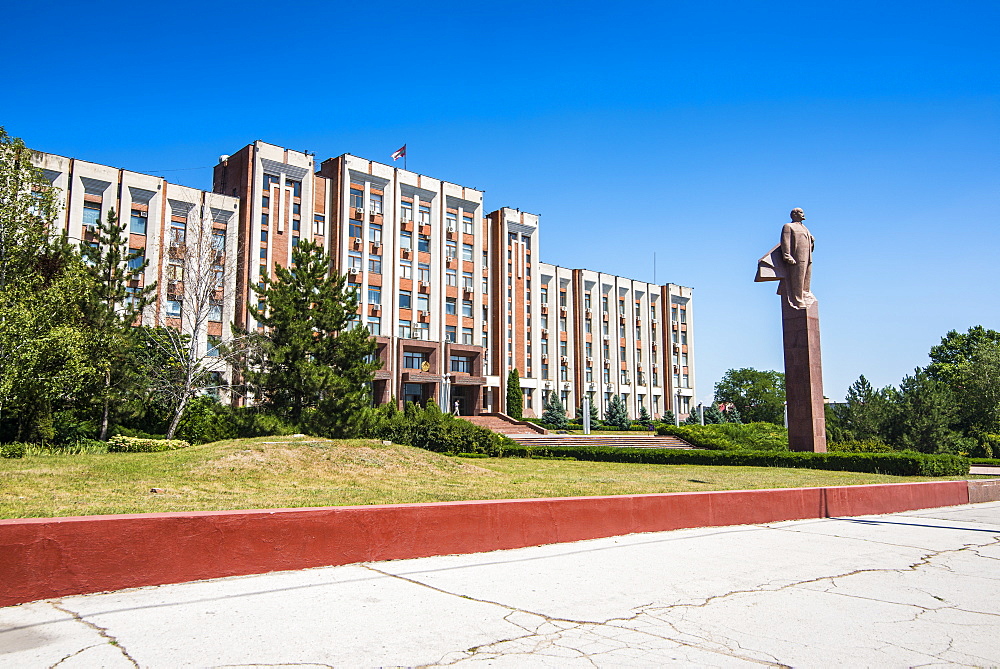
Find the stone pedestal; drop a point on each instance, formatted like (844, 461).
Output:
(803, 378)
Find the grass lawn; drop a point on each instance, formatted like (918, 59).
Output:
(272, 472)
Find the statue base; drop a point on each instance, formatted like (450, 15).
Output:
(803, 378)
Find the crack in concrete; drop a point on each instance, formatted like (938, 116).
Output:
(97, 628)
(94, 645)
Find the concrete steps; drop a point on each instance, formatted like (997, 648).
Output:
(623, 441)
(504, 424)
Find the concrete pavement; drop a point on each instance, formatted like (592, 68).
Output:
(913, 588)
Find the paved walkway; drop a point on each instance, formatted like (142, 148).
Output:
(906, 589)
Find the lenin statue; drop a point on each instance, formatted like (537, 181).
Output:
(790, 263)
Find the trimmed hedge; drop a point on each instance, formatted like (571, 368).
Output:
(985, 461)
(731, 436)
(898, 464)
(120, 444)
(15, 449)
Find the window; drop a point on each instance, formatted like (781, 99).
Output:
(422, 331)
(174, 308)
(467, 280)
(450, 332)
(423, 303)
(562, 324)
(132, 295)
(375, 233)
(406, 241)
(467, 308)
(562, 298)
(425, 214)
(461, 363)
(405, 269)
(563, 373)
(604, 303)
(621, 330)
(451, 277)
(449, 306)
(296, 209)
(638, 333)
(215, 312)
(137, 225)
(586, 300)
(175, 270)
(375, 325)
(528, 397)
(622, 353)
(405, 299)
(374, 263)
(354, 289)
(625, 376)
(486, 264)
(406, 211)
(263, 219)
(357, 197)
(354, 229)
(451, 220)
(467, 336)
(590, 374)
(545, 321)
(136, 262)
(263, 254)
(178, 233)
(545, 294)
(354, 260)
(295, 241)
(413, 359)
(486, 289)
(424, 243)
(270, 179)
(296, 187)
(319, 224)
(265, 201)
(374, 294)
(219, 241)
(404, 329)
(545, 371)
(467, 252)
(588, 326)
(424, 272)
(376, 202)
(589, 349)
(450, 249)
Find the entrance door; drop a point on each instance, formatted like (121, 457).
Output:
(413, 392)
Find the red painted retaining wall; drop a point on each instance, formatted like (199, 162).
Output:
(42, 558)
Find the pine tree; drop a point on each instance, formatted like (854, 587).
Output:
(113, 307)
(554, 412)
(668, 417)
(733, 416)
(515, 398)
(311, 356)
(643, 414)
(713, 416)
(616, 413)
(692, 418)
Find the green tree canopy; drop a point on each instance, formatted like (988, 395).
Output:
(759, 396)
(554, 412)
(311, 357)
(616, 414)
(515, 398)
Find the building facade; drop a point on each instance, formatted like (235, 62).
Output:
(456, 297)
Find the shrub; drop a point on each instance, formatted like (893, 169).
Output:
(430, 429)
(731, 436)
(898, 464)
(121, 444)
(859, 446)
(14, 449)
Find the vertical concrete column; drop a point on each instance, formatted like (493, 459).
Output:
(803, 378)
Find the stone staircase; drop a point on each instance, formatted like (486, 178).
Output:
(504, 424)
(623, 441)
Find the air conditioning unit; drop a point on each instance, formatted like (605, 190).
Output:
(425, 314)
(566, 386)
(376, 307)
(589, 360)
(142, 214)
(545, 332)
(588, 313)
(451, 229)
(359, 211)
(563, 358)
(376, 245)
(354, 270)
(607, 363)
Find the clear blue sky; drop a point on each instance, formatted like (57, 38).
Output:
(681, 128)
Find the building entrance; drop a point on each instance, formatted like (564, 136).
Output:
(413, 392)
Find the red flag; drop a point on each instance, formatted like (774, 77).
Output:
(400, 152)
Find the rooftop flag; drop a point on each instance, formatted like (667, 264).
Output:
(400, 152)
